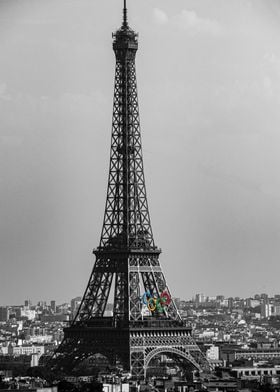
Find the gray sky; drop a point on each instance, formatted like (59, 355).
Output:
(208, 76)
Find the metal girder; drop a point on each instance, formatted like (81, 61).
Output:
(126, 220)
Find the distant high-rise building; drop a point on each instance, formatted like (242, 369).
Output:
(53, 306)
(248, 302)
(199, 298)
(266, 309)
(27, 303)
(42, 304)
(230, 303)
(264, 296)
(276, 309)
(75, 303)
(4, 313)
(15, 312)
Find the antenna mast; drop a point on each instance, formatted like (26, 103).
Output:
(125, 24)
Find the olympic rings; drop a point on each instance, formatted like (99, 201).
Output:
(154, 302)
(165, 296)
(152, 307)
(144, 297)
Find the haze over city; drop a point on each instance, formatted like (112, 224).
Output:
(208, 83)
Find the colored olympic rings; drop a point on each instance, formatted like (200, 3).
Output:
(152, 304)
(155, 303)
(165, 297)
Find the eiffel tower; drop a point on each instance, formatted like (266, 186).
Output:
(127, 259)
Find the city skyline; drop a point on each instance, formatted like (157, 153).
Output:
(47, 302)
(209, 114)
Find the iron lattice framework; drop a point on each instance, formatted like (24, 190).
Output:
(127, 255)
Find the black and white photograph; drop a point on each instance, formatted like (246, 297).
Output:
(140, 195)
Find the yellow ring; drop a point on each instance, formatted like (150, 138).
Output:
(149, 305)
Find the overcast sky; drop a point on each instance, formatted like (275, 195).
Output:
(208, 76)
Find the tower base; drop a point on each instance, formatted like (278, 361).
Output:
(134, 344)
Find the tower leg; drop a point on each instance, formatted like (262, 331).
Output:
(137, 364)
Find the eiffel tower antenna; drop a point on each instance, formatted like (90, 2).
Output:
(125, 24)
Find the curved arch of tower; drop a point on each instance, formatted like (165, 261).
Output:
(178, 351)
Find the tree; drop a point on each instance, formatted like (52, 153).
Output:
(94, 386)
(66, 386)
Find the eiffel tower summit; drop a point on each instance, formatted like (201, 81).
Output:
(145, 322)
